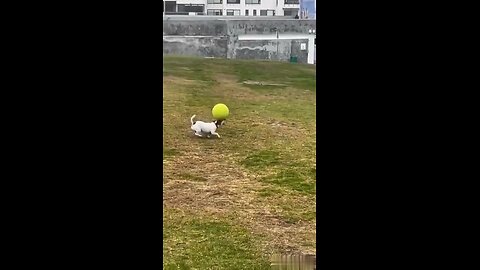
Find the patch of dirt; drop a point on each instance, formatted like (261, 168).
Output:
(227, 85)
(263, 83)
(169, 80)
(276, 123)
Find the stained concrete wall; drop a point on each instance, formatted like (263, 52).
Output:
(296, 50)
(213, 37)
(236, 27)
(262, 49)
(276, 50)
(196, 46)
(194, 28)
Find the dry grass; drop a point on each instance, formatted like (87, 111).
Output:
(256, 183)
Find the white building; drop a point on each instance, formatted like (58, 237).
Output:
(249, 8)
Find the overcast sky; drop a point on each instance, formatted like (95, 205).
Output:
(309, 5)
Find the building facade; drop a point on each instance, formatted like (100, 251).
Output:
(249, 8)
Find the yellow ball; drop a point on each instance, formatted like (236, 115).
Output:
(220, 112)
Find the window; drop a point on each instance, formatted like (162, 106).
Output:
(233, 12)
(292, 2)
(215, 12)
(263, 12)
(270, 12)
(254, 12)
(190, 8)
(215, 2)
(289, 12)
(170, 6)
(233, 1)
(253, 1)
(246, 12)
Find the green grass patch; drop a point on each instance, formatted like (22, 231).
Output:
(192, 68)
(202, 97)
(276, 72)
(262, 159)
(196, 68)
(169, 152)
(200, 244)
(266, 88)
(293, 214)
(269, 192)
(296, 111)
(295, 179)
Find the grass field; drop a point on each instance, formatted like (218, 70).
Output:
(232, 202)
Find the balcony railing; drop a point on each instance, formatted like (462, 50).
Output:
(184, 13)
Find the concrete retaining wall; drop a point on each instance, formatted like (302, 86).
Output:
(213, 37)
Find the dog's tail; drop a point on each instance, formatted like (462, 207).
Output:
(191, 119)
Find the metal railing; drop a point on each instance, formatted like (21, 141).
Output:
(184, 13)
(176, 16)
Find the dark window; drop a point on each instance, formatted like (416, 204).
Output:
(233, 1)
(263, 12)
(190, 8)
(254, 12)
(252, 1)
(288, 12)
(292, 2)
(170, 6)
(246, 12)
(197, 8)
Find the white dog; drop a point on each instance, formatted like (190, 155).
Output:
(209, 128)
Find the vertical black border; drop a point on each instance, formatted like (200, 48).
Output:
(93, 186)
(383, 68)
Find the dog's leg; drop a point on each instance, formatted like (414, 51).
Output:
(215, 133)
(197, 130)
